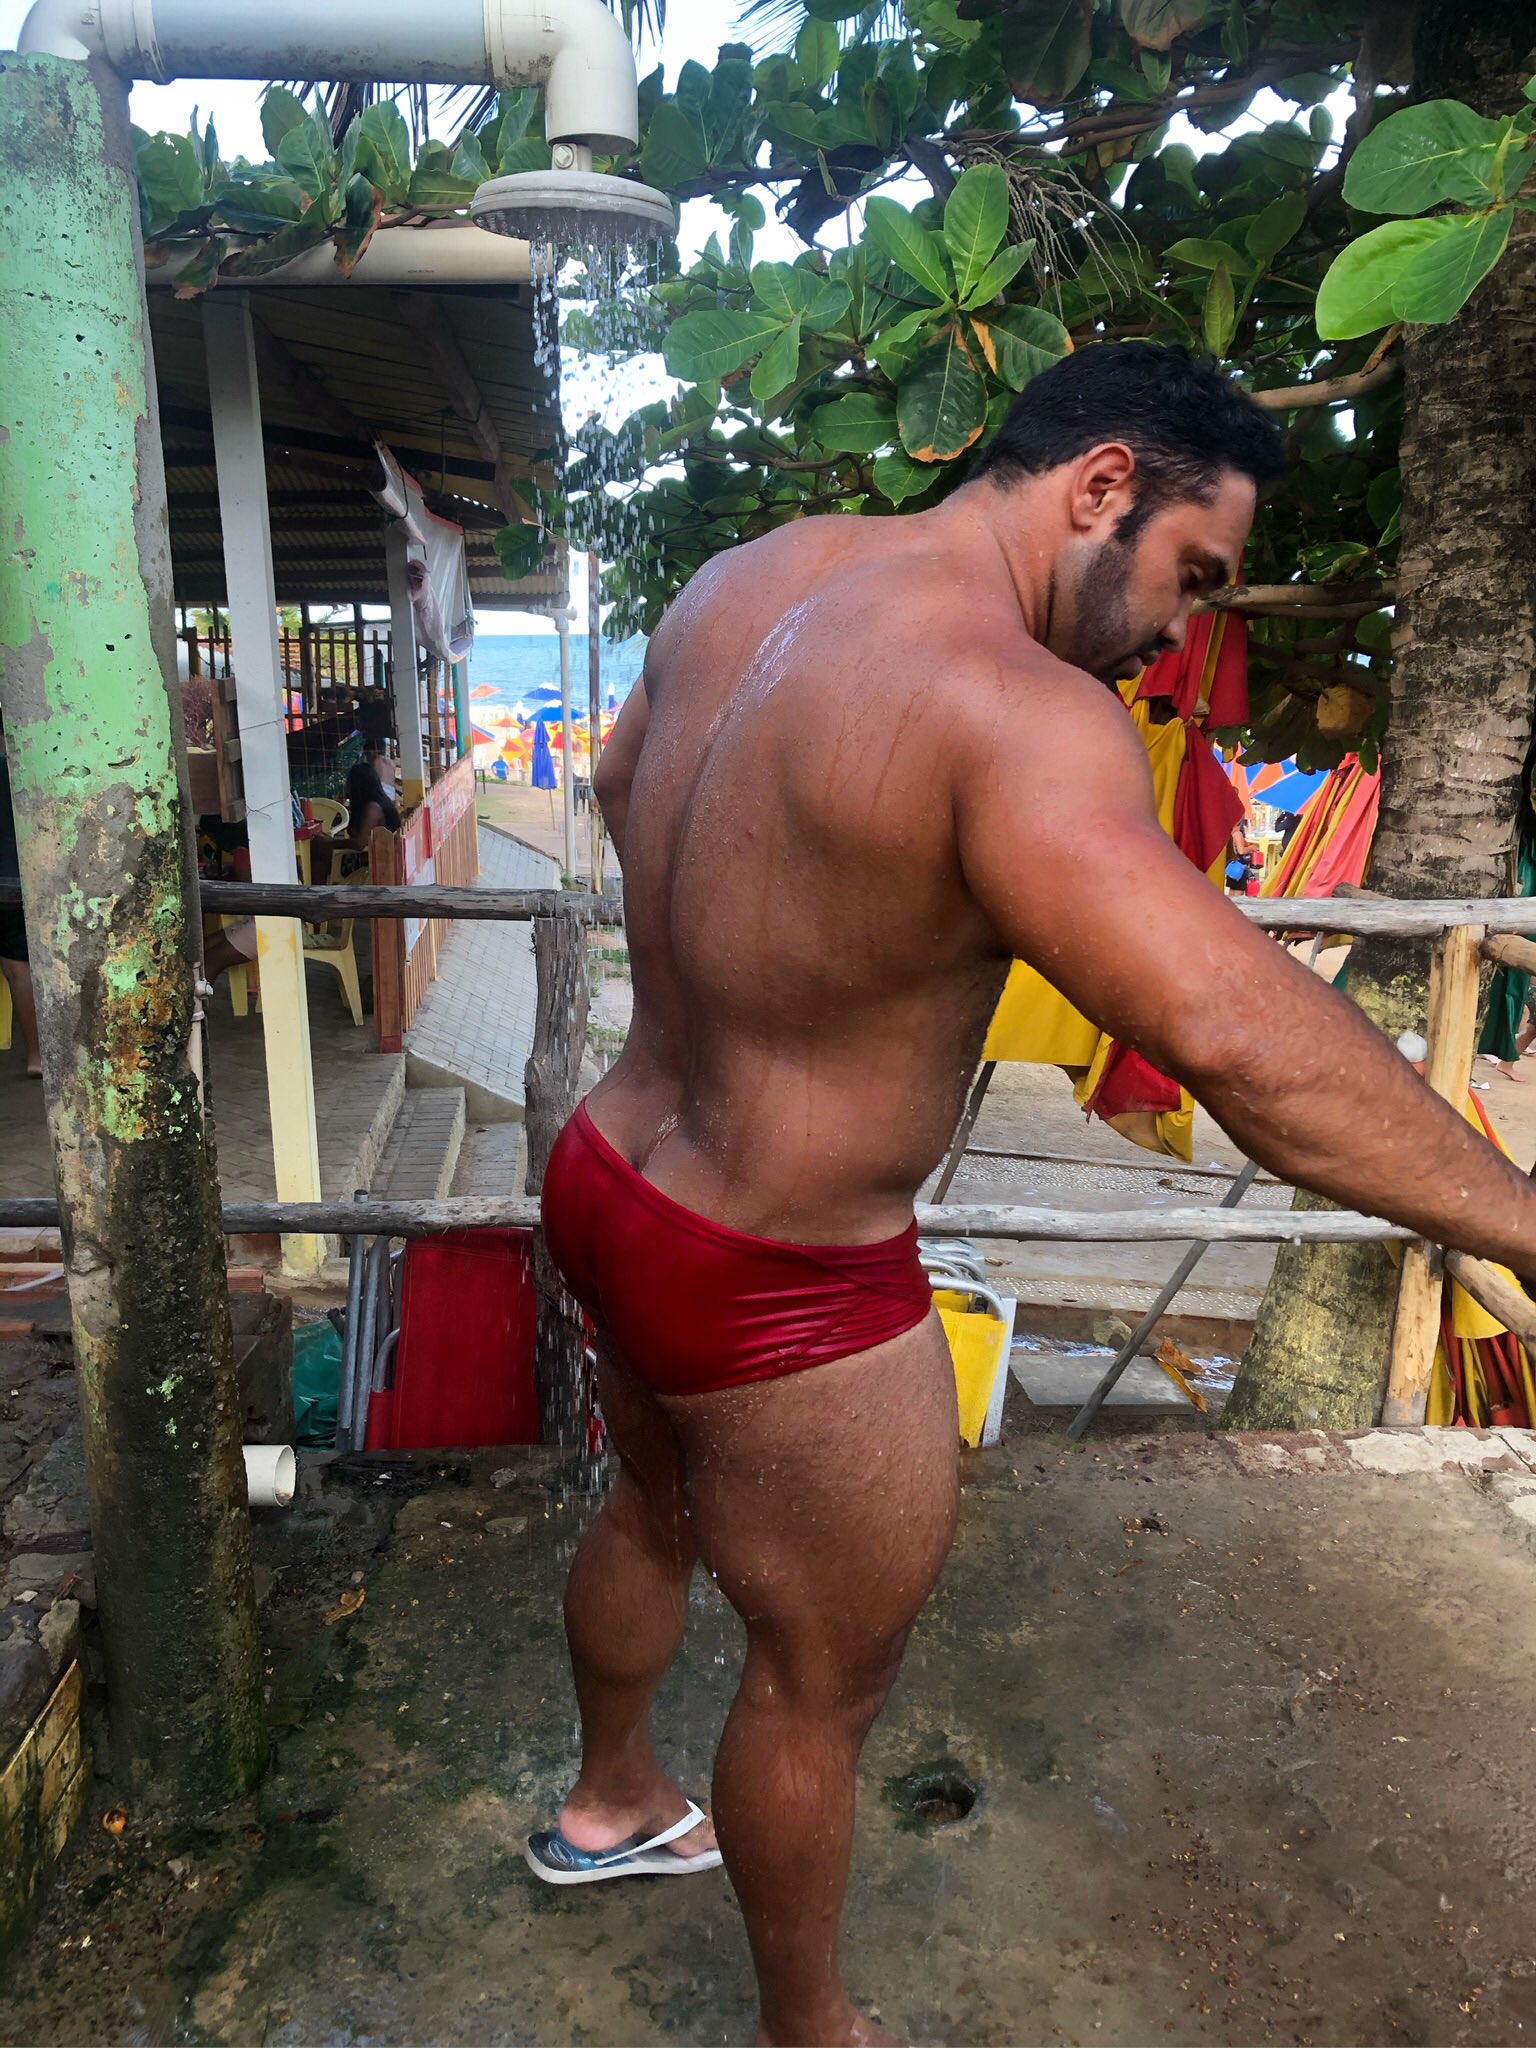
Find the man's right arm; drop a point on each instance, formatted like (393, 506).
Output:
(1061, 847)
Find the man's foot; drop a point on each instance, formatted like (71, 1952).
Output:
(849, 2029)
(598, 1824)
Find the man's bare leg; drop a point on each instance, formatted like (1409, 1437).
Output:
(824, 1503)
(625, 1605)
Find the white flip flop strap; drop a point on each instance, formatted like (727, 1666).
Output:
(689, 1820)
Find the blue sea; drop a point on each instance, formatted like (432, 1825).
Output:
(513, 667)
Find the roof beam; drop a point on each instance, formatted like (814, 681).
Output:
(425, 318)
(277, 364)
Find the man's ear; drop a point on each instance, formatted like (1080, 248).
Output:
(1103, 487)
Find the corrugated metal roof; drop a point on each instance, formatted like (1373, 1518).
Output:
(340, 367)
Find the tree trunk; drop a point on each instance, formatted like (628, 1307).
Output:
(1461, 706)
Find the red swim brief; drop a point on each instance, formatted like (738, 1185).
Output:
(693, 1307)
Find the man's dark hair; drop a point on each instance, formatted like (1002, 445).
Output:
(1184, 421)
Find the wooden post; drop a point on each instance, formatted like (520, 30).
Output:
(385, 866)
(310, 693)
(1451, 1036)
(550, 1085)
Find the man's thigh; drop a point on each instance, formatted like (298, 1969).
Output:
(824, 1502)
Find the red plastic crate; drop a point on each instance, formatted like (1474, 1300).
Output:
(464, 1363)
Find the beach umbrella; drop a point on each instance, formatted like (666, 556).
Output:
(544, 767)
(1283, 785)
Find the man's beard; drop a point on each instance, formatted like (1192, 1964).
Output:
(1103, 642)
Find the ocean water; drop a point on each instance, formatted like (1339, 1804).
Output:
(510, 667)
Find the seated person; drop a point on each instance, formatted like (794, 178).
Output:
(369, 803)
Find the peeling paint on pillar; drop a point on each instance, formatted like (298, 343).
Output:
(93, 735)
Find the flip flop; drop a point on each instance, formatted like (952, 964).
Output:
(551, 1857)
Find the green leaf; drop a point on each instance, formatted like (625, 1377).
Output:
(1275, 226)
(1529, 88)
(1384, 496)
(920, 254)
(707, 345)
(788, 293)
(1439, 280)
(278, 249)
(469, 160)
(259, 206)
(776, 369)
(898, 477)
(361, 208)
(1200, 254)
(674, 151)
(198, 276)
(435, 186)
(307, 155)
(1356, 295)
(521, 550)
(170, 177)
(730, 95)
(941, 403)
(891, 350)
(528, 153)
(975, 222)
(384, 149)
(1218, 314)
(281, 111)
(999, 273)
(857, 424)
(1025, 341)
(1045, 47)
(1423, 155)
(816, 52)
(1155, 23)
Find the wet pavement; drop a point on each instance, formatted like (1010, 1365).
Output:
(1248, 1726)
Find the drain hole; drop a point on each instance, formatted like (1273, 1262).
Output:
(935, 1797)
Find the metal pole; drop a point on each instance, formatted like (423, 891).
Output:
(567, 781)
(407, 689)
(967, 1125)
(1143, 1330)
(87, 671)
(594, 713)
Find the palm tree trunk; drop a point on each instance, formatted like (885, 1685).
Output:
(1462, 694)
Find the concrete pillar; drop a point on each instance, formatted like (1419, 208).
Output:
(229, 340)
(87, 682)
(402, 629)
(567, 780)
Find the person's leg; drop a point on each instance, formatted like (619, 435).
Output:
(825, 1504)
(19, 976)
(625, 1605)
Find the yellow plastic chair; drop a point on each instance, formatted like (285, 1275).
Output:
(7, 1015)
(330, 812)
(244, 982)
(334, 944)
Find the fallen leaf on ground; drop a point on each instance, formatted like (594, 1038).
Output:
(115, 1819)
(1177, 1364)
(349, 1603)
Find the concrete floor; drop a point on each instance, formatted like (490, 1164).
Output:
(1250, 1727)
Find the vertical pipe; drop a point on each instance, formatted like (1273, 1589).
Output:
(86, 679)
(461, 711)
(567, 780)
(402, 629)
(261, 700)
(594, 714)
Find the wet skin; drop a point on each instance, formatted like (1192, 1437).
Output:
(866, 771)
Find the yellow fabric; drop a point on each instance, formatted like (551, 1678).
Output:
(1035, 1025)
(976, 1346)
(1470, 1320)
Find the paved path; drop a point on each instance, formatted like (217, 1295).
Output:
(475, 1028)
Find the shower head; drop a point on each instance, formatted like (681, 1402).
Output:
(575, 209)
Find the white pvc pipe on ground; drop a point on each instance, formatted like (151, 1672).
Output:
(271, 1472)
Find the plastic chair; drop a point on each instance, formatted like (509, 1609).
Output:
(330, 812)
(333, 943)
(245, 981)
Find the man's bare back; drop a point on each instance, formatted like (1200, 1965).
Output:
(812, 977)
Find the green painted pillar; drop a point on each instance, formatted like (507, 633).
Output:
(85, 652)
(461, 716)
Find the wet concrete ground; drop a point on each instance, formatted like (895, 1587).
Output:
(1251, 1743)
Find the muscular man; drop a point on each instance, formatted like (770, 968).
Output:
(873, 761)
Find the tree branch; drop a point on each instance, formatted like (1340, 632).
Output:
(1327, 390)
(1300, 600)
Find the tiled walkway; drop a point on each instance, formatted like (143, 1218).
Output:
(475, 1028)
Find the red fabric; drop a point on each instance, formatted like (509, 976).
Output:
(1177, 675)
(1128, 1083)
(692, 1306)
(1206, 808)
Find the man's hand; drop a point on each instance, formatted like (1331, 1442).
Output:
(1062, 849)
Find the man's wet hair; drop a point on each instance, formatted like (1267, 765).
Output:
(1184, 420)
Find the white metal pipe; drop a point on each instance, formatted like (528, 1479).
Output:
(575, 49)
(445, 252)
(567, 758)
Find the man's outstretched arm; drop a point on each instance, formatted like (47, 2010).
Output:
(1061, 846)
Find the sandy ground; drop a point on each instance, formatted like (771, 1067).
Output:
(1248, 1748)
